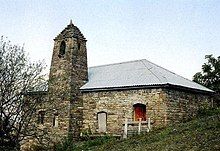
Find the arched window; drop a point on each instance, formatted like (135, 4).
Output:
(102, 121)
(139, 112)
(62, 49)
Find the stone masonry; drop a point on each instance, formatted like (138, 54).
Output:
(68, 73)
(163, 106)
(62, 103)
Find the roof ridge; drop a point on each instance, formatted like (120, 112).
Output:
(167, 70)
(174, 73)
(125, 62)
(160, 66)
(150, 70)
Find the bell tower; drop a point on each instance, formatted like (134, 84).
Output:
(68, 73)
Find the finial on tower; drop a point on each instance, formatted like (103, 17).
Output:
(71, 22)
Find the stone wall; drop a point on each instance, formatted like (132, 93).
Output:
(60, 90)
(163, 106)
(119, 105)
(68, 72)
(184, 105)
(47, 133)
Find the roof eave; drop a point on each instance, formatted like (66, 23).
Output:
(168, 86)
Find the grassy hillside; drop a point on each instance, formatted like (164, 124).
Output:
(199, 134)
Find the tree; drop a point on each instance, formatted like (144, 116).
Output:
(17, 76)
(210, 75)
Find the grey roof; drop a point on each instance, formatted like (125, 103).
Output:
(134, 74)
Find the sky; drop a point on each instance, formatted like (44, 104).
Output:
(175, 34)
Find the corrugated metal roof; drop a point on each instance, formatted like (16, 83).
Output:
(135, 73)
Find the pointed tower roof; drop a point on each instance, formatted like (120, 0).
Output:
(71, 31)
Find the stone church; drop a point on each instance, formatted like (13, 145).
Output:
(98, 99)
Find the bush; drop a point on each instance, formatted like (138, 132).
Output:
(66, 145)
(98, 141)
(69, 145)
(208, 112)
(38, 147)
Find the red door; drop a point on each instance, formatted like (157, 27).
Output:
(140, 112)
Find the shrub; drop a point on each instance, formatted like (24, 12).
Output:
(208, 112)
(66, 145)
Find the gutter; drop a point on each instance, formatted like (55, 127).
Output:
(167, 86)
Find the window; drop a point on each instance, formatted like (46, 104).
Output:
(79, 45)
(62, 49)
(102, 120)
(41, 115)
(139, 112)
(55, 120)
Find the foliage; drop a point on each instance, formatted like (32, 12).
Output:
(39, 147)
(98, 141)
(69, 145)
(208, 112)
(17, 76)
(66, 145)
(210, 74)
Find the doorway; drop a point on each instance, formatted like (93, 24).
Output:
(139, 112)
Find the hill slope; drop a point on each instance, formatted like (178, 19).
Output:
(199, 134)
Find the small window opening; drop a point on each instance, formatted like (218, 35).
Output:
(55, 120)
(41, 115)
(139, 112)
(62, 49)
(79, 45)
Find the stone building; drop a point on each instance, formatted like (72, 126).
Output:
(98, 99)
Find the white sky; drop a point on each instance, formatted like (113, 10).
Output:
(173, 34)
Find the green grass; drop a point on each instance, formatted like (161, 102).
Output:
(199, 134)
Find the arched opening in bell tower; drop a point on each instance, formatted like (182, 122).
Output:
(62, 49)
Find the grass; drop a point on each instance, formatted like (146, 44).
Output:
(202, 133)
